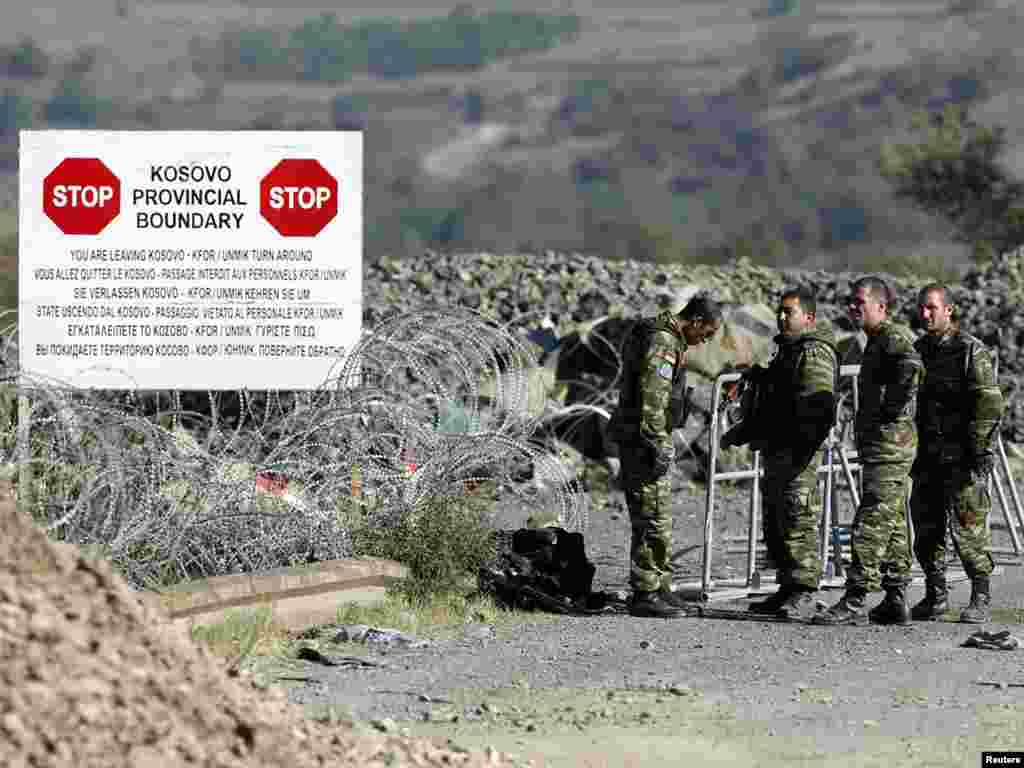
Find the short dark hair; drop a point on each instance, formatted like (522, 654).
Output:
(936, 288)
(947, 298)
(805, 296)
(704, 307)
(875, 286)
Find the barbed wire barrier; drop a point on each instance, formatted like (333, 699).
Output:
(435, 404)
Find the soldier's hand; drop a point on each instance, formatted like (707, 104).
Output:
(662, 463)
(659, 457)
(980, 466)
(754, 374)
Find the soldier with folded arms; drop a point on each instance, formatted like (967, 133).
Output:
(886, 437)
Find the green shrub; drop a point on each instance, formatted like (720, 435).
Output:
(660, 245)
(323, 50)
(8, 279)
(955, 171)
(443, 543)
(26, 59)
(922, 266)
(74, 104)
(259, 51)
(15, 113)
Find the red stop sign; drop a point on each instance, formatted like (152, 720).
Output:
(81, 196)
(299, 197)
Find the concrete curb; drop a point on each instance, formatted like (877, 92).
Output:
(298, 597)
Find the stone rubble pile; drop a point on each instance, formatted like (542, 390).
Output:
(94, 675)
(574, 289)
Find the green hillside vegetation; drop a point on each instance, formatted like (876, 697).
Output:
(954, 172)
(8, 264)
(323, 50)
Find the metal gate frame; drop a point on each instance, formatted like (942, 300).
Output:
(834, 449)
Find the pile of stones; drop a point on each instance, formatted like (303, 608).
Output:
(573, 290)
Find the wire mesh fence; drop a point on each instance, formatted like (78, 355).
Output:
(192, 484)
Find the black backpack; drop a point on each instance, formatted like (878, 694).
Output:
(541, 569)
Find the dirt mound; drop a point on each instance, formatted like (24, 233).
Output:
(91, 674)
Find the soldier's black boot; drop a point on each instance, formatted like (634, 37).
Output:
(978, 611)
(893, 609)
(672, 598)
(849, 611)
(799, 604)
(935, 602)
(772, 603)
(653, 605)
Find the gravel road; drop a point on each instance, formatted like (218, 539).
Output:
(832, 691)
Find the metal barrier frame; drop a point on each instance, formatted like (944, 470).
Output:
(833, 447)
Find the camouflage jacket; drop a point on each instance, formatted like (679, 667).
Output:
(653, 387)
(890, 373)
(959, 404)
(800, 398)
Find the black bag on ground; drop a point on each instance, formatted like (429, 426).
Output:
(541, 569)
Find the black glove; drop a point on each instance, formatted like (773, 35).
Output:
(658, 459)
(734, 437)
(662, 464)
(754, 374)
(980, 466)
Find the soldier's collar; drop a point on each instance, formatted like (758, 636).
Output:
(945, 338)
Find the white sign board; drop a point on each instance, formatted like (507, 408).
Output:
(189, 260)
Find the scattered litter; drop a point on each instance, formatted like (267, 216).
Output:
(432, 699)
(361, 633)
(1000, 684)
(992, 641)
(312, 654)
(478, 632)
(385, 725)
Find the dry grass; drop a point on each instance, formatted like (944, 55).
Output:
(244, 633)
(441, 616)
(252, 635)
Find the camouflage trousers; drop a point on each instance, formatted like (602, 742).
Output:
(650, 516)
(879, 538)
(790, 518)
(947, 498)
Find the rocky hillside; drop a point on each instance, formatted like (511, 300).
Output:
(631, 131)
(574, 289)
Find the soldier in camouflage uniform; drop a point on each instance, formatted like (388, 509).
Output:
(886, 444)
(799, 390)
(958, 411)
(651, 405)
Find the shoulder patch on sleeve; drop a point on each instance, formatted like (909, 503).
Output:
(983, 367)
(665, 371)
